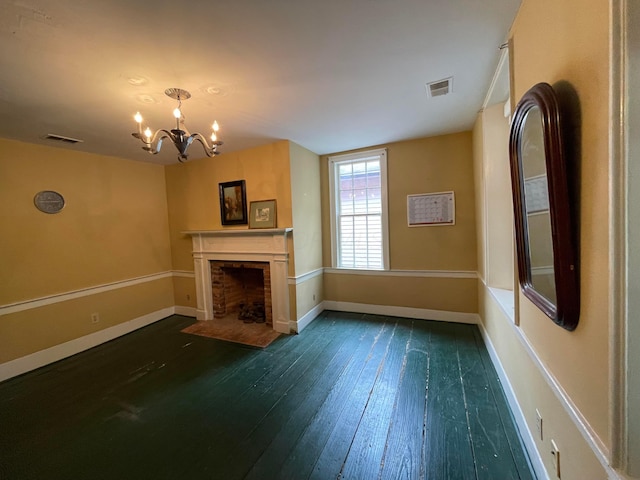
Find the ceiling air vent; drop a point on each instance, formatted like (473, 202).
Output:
(440, 88)
(60, 138)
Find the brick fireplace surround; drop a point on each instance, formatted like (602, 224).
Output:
(213, 248)
(236, 283)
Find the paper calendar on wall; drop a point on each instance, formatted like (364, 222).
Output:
(428, 209)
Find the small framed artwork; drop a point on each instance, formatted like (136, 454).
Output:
(262, 214)
(233, 203)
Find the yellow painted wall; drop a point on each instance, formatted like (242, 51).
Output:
(192, 192)
(36, 329)
(425, 165)
(309, 294)
(479, 189)
(193, 198)
(113, 228)
(307, 227)
(305, 204)
(573, 46)
(566, 42)
(497, 195)
(184, 289)
(446, 294)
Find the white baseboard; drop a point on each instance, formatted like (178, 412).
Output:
(44, 357)
(298, 325)
(407, 312)
(518, 415)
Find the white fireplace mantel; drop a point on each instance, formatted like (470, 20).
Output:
(255, 245)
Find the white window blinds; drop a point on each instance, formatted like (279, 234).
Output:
(359, 210)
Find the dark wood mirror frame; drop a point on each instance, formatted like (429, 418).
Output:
(565, 310)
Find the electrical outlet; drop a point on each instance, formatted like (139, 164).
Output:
(539, 424)
(188, 297)
(95, 317)
(555, 453)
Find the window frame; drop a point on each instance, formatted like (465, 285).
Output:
(333, 162)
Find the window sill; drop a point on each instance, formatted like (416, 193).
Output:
(505, 298)
(405, 273)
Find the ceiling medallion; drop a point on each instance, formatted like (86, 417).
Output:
(137, 81)
(180, 136)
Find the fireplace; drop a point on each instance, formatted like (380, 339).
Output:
(217, 252)
(242, 290)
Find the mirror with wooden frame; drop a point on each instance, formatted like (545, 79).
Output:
(545, 237)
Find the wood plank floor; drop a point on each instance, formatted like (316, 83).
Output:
(353, 397)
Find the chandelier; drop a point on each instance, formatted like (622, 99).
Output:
(180, 136)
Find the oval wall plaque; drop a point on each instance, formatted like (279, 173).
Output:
(49, 201)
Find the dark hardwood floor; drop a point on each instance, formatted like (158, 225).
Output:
(352, 397)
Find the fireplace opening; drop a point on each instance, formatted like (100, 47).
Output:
(250, 313)
(242, 290)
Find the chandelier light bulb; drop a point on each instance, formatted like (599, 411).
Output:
(177, 113)
(137, 117)
(214, 137)
(148, 133)
(215, 126)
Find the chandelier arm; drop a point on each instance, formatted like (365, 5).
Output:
(160, 134)
(157, 139)
(210, 151)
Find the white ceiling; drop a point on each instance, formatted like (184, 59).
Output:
(330, 75)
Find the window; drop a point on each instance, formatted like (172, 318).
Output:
(359, 231)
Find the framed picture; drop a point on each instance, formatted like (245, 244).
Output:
(262, 214)
(233, 203)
